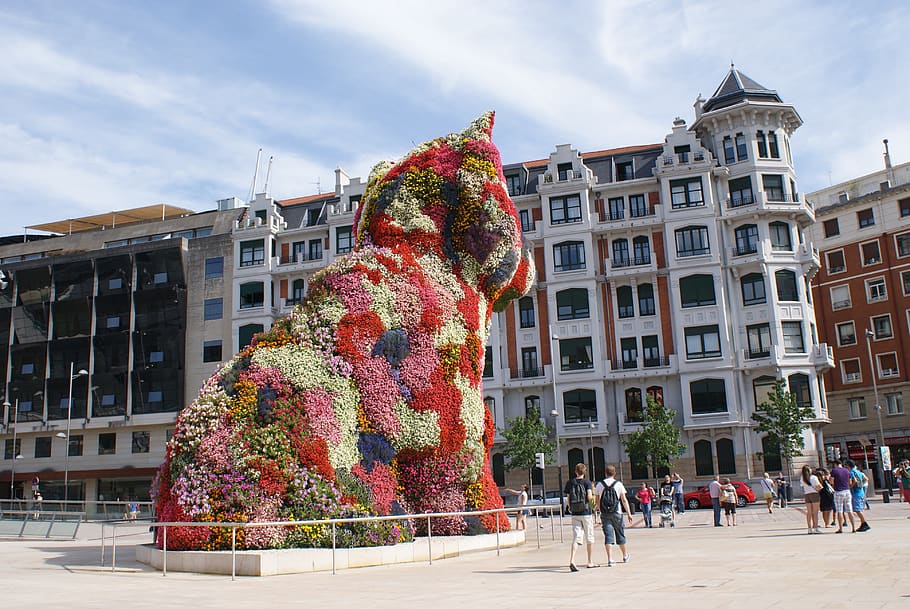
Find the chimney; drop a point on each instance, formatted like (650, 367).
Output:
(341, 180)
(889, 171)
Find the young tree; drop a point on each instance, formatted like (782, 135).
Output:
(526, 436)
(784, 420)
(656, 443)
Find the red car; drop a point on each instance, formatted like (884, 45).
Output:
(701, 498)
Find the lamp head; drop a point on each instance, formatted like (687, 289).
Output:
(869, 333)
(60, 434)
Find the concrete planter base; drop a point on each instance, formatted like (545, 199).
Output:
(306, 560)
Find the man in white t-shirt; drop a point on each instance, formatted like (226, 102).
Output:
(611, 513)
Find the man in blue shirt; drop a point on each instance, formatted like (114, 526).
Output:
(858, 482)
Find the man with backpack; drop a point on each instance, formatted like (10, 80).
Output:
(612, 501)
(579, 495)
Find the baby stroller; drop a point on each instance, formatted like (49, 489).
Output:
(665, 502)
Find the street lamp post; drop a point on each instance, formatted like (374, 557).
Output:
(886, 494)
(555, 414)
(591, 442)
(69, 416)
(16, 455)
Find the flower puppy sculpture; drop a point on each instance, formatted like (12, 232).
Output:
(366, 399)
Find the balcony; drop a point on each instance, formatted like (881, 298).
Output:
(627, 219)
(527, 373)
(642, 367)
(635, 265)
(297, 262)
(747, 202)
(822, 356)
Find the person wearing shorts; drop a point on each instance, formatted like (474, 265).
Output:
(613, 526)
(858, 482)
(903, 471)
(582, 523)
(843, 500)
(811, 486)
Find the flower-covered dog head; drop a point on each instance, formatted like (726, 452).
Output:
(447, 199)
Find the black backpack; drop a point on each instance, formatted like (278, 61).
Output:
(609, 500)
(578, 498)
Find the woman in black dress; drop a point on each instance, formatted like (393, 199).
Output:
(827, 496)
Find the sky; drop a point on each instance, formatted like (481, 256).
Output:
(108, 105)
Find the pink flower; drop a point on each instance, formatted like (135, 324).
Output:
(318, 406)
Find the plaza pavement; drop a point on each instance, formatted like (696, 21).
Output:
(768, 560)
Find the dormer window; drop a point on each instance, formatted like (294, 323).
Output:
(624, 171)
(564, 172)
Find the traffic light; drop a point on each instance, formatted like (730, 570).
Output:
(541, 463)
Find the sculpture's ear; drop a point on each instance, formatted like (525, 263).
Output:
(521, 282)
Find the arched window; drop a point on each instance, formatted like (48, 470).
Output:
(499, 469)
(799, 388)
(575, 456)
(704, 462)
(490, 403)
(786, 286)
(708, 396)
(298, 290)
(620, 253)
(753, 288)
(634, 411)
(770, 451)
(526, 312)
(726, 461)
(569, 256)
(780, 237)
(532, 404)
(761, 389)
(656, 393)
(697, 291)
(572, 304)
(641, 250)
(746, 239)
(596, 463)
(646, 299)
(624, 302)
(580, 405)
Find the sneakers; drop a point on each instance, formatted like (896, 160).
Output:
(818, 531)
(611, 563)
(863, 527)
(573, 568)
(626, 557)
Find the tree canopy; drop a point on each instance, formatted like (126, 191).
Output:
(784, 420)
(526, 436)
(656, 442)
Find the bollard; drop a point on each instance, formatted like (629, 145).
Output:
(333, 548)
(429, 539)
(233, 552)
(114, 548)
(164, 554)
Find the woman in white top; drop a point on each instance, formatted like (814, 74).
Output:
(521, 517)
(767, 487)
(811, 486)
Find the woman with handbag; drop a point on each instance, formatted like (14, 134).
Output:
(728, 501)
(826, 495)
(811, 487)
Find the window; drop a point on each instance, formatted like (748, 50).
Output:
(252, 253)
(576, 354)
(641, 251)
(686, 193)
(629, 351)
(315, 247)
(704, 461)
(761, 391)
(527, 222)
(656, 393)
(903, 245)
(8, 451)
(616, 208)
(771, 457)
(729, 153)
(846, 334)
(298, 251)
(881, 326)
(831, 228)
(894, 404)
(702, 342)
(75, 445)
(140, 442)
(569, 256)
(107, 444)
(759, 340)
(865, 217)
(634, 410)
(344, 240)
(565, 210)
(850, 371)
(637, 206)
(156, 357)
(620, 253)
(773, 185)
(252, 295)
(697, 291)
(526, 312)
(753, 288)
(213, 308)
(245, 334)
(742, 151)
(692, 241)
(857, 408)
(42, 447)
(580, 405)
(214, 267)
(746, 239)
(529, 367)
(876, 290)
(793, 336)
(870, 253)
(904, 205)
(532, 406)
(905, 282)
(298, 291)
(840, 297)
(159, 278)
(780, 236)
(211, 351)
(624, 171)
(887, 365)
(624, 302)
(112, 322)
(726, 461)
(650, 348)
(513, 182)
(488, 362)
(572, 304)
(741, 192)
(564, 171)
(762, 141)
(772, 145)
(708, 396)
(786, 286)
(646, 299)
(836, 262)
